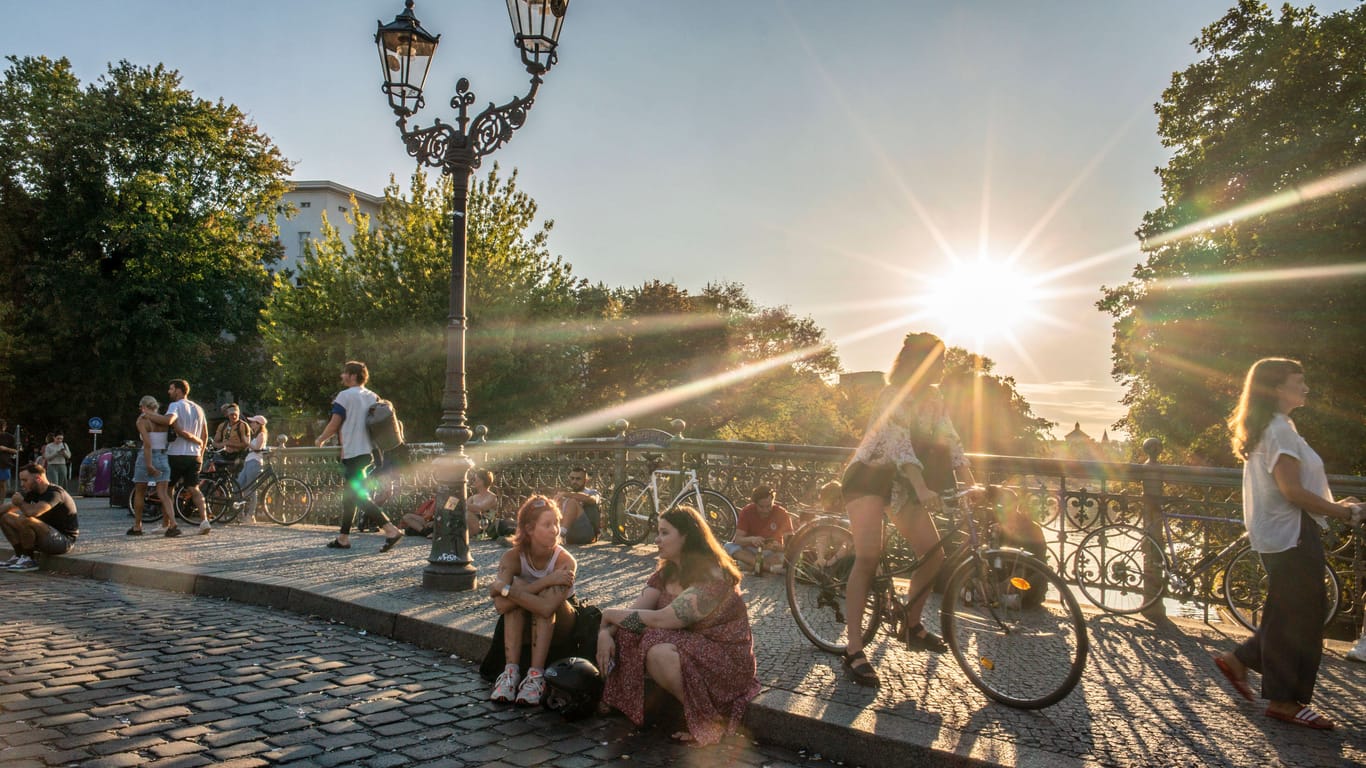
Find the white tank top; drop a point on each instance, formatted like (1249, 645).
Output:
(157, 439)
(531, 574)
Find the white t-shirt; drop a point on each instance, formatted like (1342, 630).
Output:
(352, 404)
(1273, 523)
(190, 418)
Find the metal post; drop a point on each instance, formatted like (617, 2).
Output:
(1152, 525)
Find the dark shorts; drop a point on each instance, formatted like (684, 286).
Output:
(184, 468)
(581, 532)
(51, 541)
(864, 480)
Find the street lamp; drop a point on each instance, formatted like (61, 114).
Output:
(405, 53)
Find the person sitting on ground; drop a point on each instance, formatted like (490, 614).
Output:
(152, 468)
(532, 594)
(251, 465)
(481, 508)
(582, 508)
(40, 517)
(688, 631)
(760, 533)
(421, 521)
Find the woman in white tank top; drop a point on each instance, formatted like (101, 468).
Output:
(535, 580)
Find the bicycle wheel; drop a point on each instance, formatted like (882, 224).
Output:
(1245, 589)
(1020, 656)
(820, 558)
(151, 506)
(182, 498)
(632, 513)
(716, 509)
(221, 499)
(1109, 568)
(287, 500)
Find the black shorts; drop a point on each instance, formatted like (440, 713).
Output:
(184, 468)
(52, 541)
(865, 480)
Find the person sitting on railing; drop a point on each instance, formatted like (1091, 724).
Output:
(760, 533)
(688, 631)
(910, 452)
(1286, 500)
(532, 593)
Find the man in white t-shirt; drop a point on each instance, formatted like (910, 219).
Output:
(349, 409)
(186, 452)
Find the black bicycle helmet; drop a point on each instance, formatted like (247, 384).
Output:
(573, 687)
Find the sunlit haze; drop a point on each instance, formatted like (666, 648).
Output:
(973, 169)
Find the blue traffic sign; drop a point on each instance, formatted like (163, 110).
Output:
(96, 422)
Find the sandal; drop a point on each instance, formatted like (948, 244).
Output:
(859, 668)
(133, 532)
(1239, 685)
(390, 542)
(1307, 717)
(334, 544)
(920, 639)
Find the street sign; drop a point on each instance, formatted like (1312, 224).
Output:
(96, 431)
(96, 424)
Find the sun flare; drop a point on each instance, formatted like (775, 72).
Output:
(981, 300)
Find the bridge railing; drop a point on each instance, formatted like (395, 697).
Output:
(1200, 506)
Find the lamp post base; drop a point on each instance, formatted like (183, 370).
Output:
(449, 578)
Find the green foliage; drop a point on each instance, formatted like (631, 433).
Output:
(989, 413)
(137, 223)
(1275, 103)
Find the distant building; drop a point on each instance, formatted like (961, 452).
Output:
(309, 199)
(1080, 446)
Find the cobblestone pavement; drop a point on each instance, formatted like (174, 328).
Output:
(99, 674)
(1150, 696)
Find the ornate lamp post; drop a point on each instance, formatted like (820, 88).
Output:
(405, 53)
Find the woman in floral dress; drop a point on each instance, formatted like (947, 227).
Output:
(688, 632)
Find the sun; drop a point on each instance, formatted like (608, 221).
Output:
(982, 300)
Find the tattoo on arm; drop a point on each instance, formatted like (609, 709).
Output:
(695, 603)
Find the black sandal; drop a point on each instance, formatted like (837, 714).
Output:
(859, 668)
(334, 544)
(133, 532)
(920, 639)
(389, 542)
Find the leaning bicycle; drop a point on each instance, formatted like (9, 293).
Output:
(281, 498)
(636, 505)
(1012, 624)
(1123, 570)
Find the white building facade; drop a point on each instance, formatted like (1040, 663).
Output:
(310, 199)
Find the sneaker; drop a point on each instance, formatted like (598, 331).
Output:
(204, 527)
(24, 563)
(505, 687)
(11, 561)
(1358, 652)
(532, 689)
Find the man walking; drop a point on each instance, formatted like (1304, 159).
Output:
(40, 518)
(186, 452)
(349, 410)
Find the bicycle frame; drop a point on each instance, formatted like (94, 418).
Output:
(1183, 580)
(690, 486)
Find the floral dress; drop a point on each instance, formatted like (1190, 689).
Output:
(901, 423)
(717, 661)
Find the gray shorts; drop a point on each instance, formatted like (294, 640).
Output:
(581, 532)
(159, 460)
(51, 541)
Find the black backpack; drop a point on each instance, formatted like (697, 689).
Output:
(381, 422)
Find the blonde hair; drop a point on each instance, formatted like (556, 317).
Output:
(1259, 401)
(148, 401)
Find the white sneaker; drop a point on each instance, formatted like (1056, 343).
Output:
(204, 527)
(505, 687)
(1358, 652)
(10, 561)
(24, 563)
(533, 688)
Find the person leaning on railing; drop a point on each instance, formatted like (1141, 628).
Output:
(1286, 500)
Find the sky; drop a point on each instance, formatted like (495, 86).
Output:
(974, 169)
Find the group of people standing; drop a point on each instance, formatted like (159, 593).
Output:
(54, 455)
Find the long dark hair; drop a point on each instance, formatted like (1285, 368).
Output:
(919, 354)
(701, 553)
(1258, 402)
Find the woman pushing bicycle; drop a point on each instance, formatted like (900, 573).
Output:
(909, 453)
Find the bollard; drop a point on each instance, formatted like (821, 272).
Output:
(1152, 525)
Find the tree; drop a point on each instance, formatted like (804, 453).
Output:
(1275, 104)
(989, 413)
(137, 222)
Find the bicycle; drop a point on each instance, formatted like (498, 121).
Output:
(284, 499)
(1012, 624)
(636, 505)
(1110, 571)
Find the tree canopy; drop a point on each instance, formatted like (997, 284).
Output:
(1274, 107)
(137, 225)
